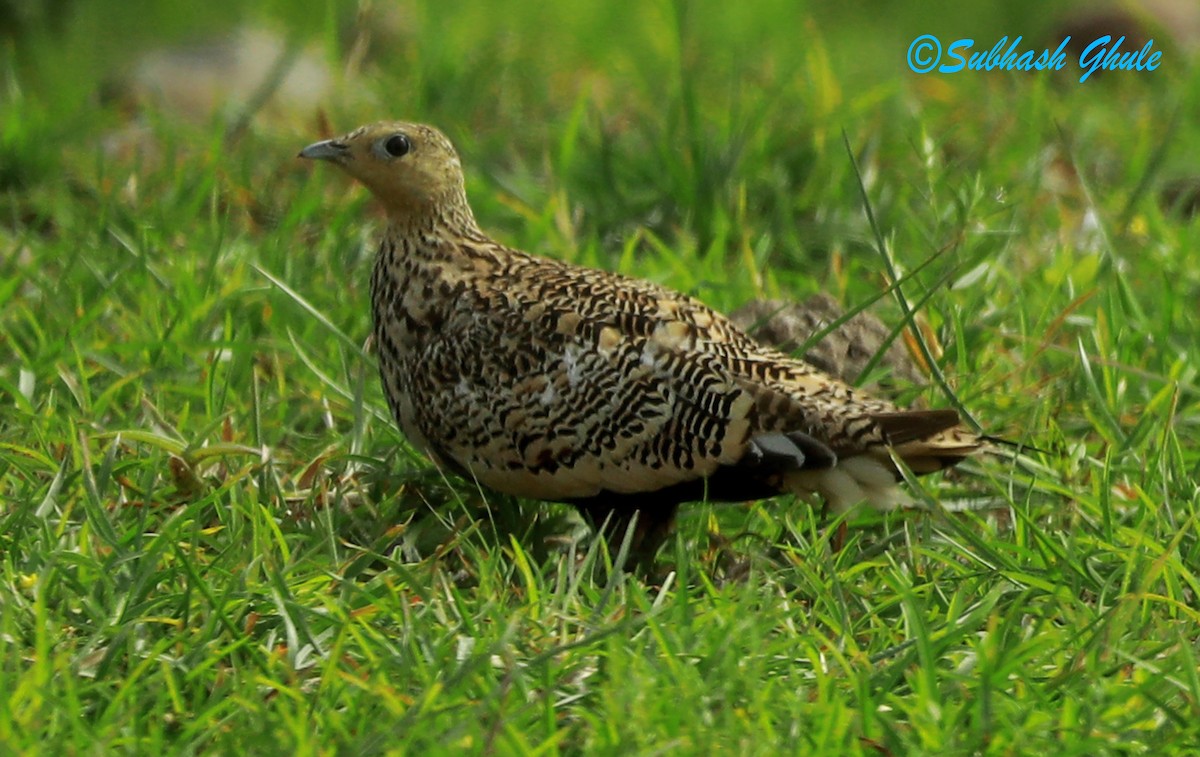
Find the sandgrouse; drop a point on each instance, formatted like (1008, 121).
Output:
(556, 382)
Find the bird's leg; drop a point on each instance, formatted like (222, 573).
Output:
(650, 530)
(837, 540)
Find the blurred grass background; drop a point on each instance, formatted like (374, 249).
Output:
(212, 539)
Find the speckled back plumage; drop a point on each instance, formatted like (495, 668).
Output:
(552, 381)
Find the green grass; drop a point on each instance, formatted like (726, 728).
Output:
(213, 539)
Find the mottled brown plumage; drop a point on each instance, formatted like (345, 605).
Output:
(547, 380)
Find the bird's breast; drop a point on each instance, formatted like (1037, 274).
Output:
(414, 303)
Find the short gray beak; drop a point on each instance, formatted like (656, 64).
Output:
(329, 149)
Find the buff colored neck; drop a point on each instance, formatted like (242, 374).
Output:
(450, 212)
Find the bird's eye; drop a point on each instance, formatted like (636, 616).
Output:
(397, 145)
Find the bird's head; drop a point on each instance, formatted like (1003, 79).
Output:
(412, 169)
